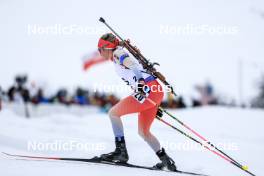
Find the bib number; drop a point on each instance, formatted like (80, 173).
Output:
(139, 97)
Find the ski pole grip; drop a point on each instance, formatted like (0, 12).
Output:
(101, 20)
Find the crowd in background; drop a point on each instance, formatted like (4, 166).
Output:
(19, 92)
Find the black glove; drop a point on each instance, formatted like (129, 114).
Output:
(159, 113)
(140, 85)
(142, 88)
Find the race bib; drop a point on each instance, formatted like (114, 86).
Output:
(139, 97)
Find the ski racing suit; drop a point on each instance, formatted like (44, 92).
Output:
(130, 71)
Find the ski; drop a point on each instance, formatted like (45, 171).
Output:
(96, 160)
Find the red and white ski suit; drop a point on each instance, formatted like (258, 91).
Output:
(131, 71)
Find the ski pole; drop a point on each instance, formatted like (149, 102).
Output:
(222, 155)
(194, 132)
(212, 150)
(201, 137)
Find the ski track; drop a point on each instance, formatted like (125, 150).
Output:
(218, 124)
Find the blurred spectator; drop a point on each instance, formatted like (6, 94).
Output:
(11, 93)
(21, 89)
(112, 99)
(33, 89)
(81, 97)
(62, 97)
(18, 92)
(173, 102)
(39, 97)
(207, 96)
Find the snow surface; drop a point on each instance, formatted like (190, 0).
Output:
(240, 127)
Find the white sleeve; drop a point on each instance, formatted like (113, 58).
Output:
(120, 55)
(123, 58)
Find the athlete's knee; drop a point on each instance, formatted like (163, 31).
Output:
(112, 112)
(145, 134)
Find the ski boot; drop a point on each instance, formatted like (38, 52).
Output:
(119, 155)
(166, 162)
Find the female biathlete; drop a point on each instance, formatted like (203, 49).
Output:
(146, 87)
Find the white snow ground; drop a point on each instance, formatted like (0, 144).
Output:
(239, 128)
